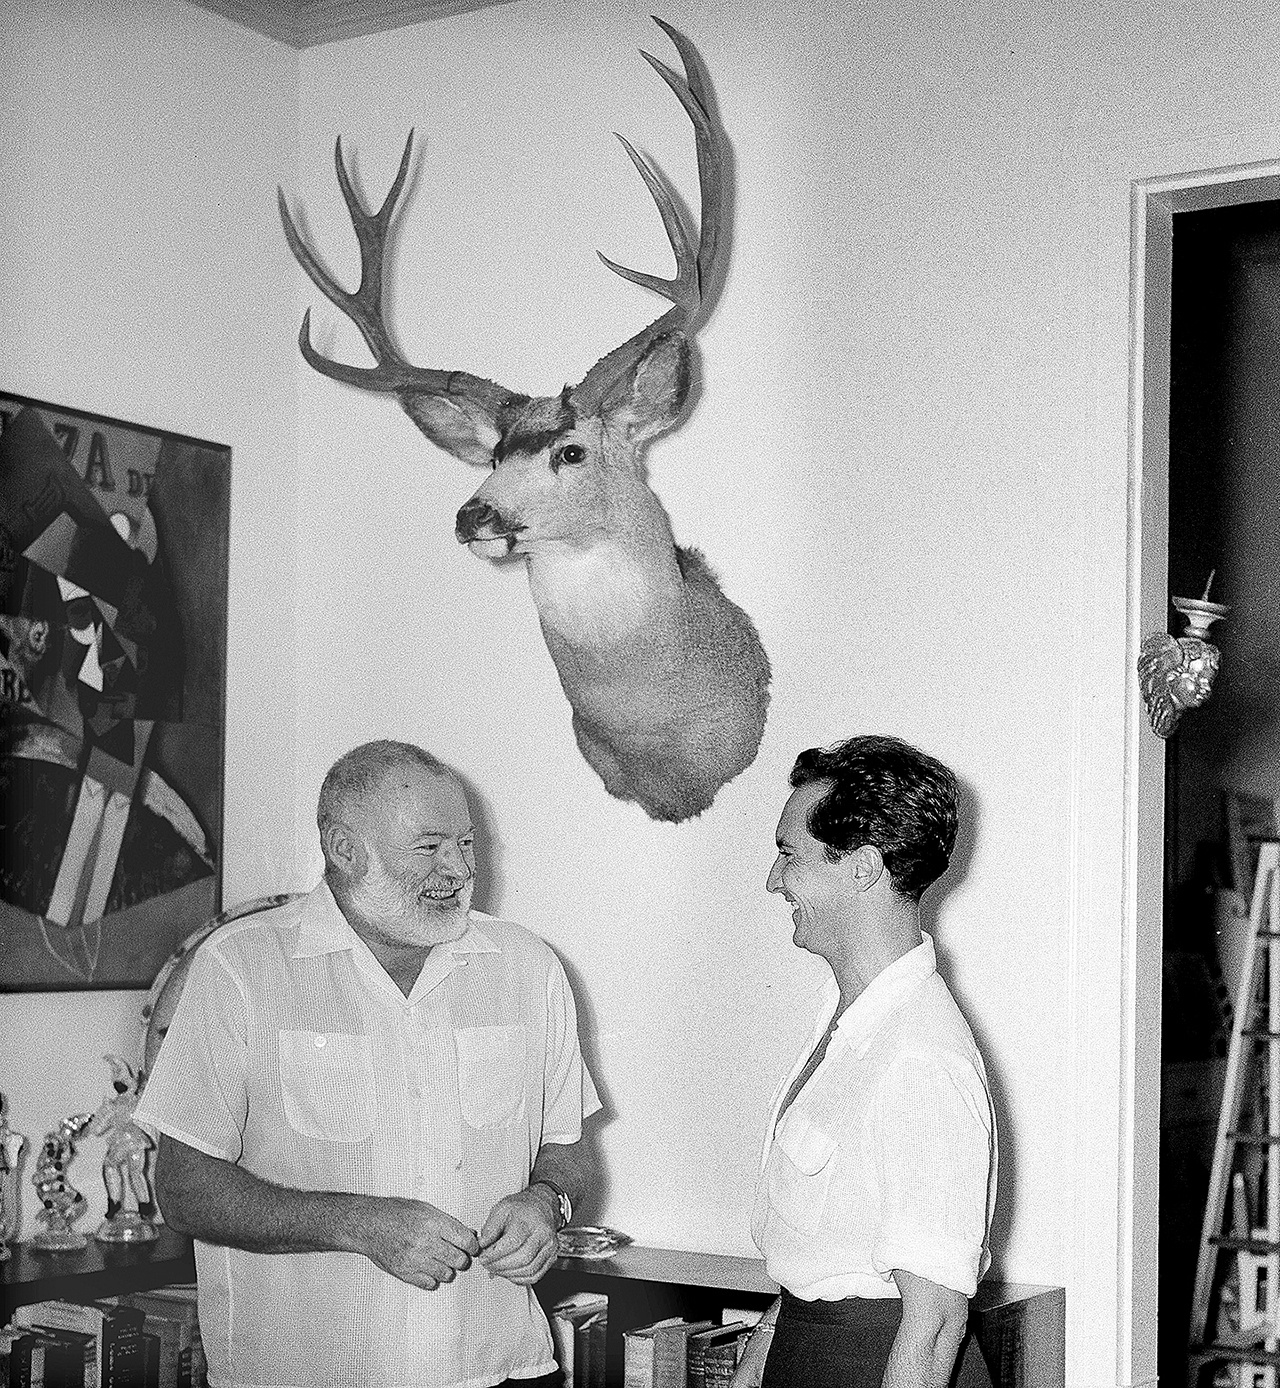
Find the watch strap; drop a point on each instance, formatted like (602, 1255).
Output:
(566, 1205)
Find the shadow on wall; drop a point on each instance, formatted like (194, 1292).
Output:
(962, 855)
(490, 879)
(489, 873)
(588, 1030)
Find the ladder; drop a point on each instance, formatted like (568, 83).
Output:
(1246, 1153)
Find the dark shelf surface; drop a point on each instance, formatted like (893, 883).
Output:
(735, 1274)
(683, 1269)
(101, 1269)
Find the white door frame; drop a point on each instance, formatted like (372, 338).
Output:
(1214, 170)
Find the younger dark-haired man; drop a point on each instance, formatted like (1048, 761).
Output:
(878, 1179)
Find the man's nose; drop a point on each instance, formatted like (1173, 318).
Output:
(773, 883)
(452, 860)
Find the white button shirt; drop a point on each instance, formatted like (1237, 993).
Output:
(887, 1157)
(293, 1054)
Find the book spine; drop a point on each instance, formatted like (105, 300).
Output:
(149, 1376)
(121, 1352)
(166, 1334)
(562, 1336)
(71, 1316)
(637, 1361)
(597, 1333)
(669, 1360)
(199, 1365)
(70, 1359)
(721, 1362)
(26, 1362)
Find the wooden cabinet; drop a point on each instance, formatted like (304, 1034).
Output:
(1021, 1328)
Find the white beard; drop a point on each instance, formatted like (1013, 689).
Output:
(402, 915)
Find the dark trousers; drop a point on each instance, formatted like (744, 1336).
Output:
(846, 1344)
(555, 1380)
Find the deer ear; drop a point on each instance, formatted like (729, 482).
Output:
(649, 398)
(459, 426)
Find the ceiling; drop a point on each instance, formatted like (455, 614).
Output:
(305, 23)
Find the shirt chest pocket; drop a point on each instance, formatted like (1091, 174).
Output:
(803, 1169)
(491, 1074)
(326, 1084)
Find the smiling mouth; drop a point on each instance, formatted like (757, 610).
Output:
(439, 896)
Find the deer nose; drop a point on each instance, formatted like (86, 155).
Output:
(474, 517)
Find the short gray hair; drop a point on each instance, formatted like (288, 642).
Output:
(356, 775)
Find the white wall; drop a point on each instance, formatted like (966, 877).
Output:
(862, 470)
(904, 465)
(910, 463)
(143, 277)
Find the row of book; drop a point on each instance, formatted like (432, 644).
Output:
(143, 1340)
(579, 1324)
(677, 1353)
(673, 1353)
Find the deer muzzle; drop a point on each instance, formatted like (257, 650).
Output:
(485, 529)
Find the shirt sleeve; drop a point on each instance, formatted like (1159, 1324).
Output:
(569, 1095)
(196, 1091)
(934, 1144)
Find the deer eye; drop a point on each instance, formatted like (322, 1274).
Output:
(571, 453)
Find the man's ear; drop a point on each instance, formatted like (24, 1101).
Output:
(649, 398)
(866, 866)
(344, 850)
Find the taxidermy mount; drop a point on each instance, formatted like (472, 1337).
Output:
(666, 676)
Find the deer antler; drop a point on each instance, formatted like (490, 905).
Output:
(393, 374)
(457, 410)
(688, 288)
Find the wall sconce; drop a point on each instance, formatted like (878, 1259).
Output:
(1176, 673)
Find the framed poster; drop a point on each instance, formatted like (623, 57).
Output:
(113, 633)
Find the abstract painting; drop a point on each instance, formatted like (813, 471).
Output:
(113, 603)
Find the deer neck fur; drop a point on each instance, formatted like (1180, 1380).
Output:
(613, 584)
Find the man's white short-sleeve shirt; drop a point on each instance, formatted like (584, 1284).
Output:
(293, 1054)
(887, 1157)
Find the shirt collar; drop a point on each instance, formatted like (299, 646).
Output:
(323, 929)
(886, 992)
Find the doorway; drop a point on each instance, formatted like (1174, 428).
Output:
(1224, 520)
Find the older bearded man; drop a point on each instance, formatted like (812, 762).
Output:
(371, 1104)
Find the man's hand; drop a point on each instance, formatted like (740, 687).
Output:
(221, 1203)
(518, 1240)
(934, 1319)
(416, 1242)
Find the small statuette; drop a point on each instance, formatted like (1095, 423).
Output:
(131, 1206)
(12, 1146)
(1176, 673)
(62, 1202)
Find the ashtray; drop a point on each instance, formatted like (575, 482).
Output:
(590, 1241)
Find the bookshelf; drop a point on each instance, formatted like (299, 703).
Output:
(1021, 1327)
(98, 1270)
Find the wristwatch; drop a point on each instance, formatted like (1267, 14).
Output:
(566, 1205)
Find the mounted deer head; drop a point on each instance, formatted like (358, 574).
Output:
(666, 677)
